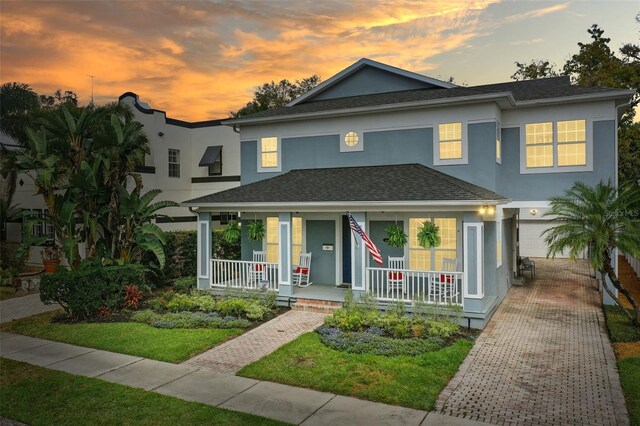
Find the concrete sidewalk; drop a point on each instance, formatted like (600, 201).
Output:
(273, 400)
(22, 307)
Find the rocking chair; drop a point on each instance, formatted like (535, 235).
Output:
(302, 271)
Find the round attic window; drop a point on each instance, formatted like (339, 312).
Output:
(351, 139)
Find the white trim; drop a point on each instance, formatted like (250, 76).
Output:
(479, 262)
(261, 169)
(351, 69)
(281, 267)
(499, 239)
(338, 249)
(588, 167)
(498, 142)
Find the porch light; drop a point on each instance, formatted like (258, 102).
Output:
(483, 209)
(533, 212)
(492, 210)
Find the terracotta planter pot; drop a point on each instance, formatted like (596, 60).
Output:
(50, 266)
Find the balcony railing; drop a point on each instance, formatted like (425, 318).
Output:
(241, 274)
(433, 287)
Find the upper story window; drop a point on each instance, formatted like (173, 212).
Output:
(351, 141)
(269, 155)
(215, 169)
(556, 147)
(450, 146)
(174, 162)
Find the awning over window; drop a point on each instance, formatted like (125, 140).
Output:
(211, 155)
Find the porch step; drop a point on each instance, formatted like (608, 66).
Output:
(315, 305)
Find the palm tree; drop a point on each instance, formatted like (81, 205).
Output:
(17, 100)
(600, 220)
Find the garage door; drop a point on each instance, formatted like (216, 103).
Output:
(531, 243)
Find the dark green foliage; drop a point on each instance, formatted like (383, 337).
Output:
(187, 319)
(181, 254)
(396, 236)
(223, 249)
(620, 328)
(185, 284)
(232, 232)
(255, 230)
(429, 235)
(84, 292)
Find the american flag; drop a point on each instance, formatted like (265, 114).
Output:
(373, 250)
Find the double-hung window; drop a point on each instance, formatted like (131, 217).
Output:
(174, 163)
(269, 155)
(555, 147)
(450, 141)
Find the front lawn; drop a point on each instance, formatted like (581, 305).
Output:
(37, 396)
(410, 381)
(620, 329)
(629, 369)
(171, 345)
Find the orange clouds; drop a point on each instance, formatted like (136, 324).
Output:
(201, 60)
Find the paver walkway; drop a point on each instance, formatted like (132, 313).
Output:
(545, 357)
(24, 306)
(231, 356)
(273, 400)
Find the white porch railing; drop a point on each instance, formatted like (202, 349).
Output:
(242, 274)
(434, 287)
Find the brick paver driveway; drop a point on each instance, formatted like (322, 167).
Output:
(544, 358)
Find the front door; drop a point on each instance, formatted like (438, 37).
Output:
(346, 250)
(322, 234)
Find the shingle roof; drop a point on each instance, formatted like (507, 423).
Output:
(404, 182)
(527, 90)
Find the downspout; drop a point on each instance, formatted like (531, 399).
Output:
(236, 129)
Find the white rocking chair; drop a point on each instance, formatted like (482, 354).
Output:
(302, 271)
(448, 283)
(396, 280)
(256, 271)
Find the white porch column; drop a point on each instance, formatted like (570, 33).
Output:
(358, 256)
(473, 281)
(204, 251)
(284, 258)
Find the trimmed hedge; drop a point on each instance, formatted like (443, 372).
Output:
(181, 252)
(87, 292)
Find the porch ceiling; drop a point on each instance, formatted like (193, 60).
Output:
(404, 184)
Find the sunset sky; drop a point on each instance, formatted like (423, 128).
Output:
(199, 60)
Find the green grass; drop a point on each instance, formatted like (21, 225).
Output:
(620, 329)
(37, 396)
(629, 369)
(408, 381)
(171, 345)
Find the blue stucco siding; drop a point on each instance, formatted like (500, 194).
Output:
(367, 81)
(541, 186)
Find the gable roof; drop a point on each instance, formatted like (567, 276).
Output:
(343, 185)
(508, 95)
(364, 62)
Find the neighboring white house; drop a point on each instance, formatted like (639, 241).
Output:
(188, 159)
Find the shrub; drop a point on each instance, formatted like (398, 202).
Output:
(188, 319)
(223, 249)
(442, 328)
(181, 254)
(205, 302)
(232, 306)
(182, 302)
(157, 304)
(132, 297)
(83, 292)
(373, 343)
(185, 284)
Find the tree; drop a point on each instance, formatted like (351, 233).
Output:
(596, 64)
(597, 219)
(17, 100)
(275, 95)
(68, 97)
(534, 70)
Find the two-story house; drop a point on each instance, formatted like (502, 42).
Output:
(187, 159)
(394, 147)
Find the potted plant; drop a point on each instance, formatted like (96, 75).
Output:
(51, 257)
(255, 230)
(429, 235)
(231, 233)
(396, 236)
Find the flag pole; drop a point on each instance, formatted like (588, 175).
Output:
(349, 218)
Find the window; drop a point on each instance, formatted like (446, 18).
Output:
(539, 142)
(556, 147)
(273, 239)
(498, 144)
(174, 162)
(572, 143)
(224, 218)
(499, 243)
(450, 141)
(41, 225)
(269, 152)
(351, 139)
(296, 240)
(215, 169)
(431, 259)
